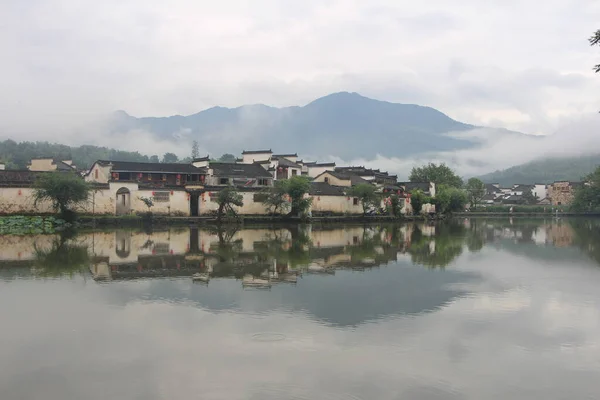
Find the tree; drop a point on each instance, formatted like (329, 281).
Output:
(587, 198)
(297, 187)
(395, 205)
(595, 40)
(63, 189)
(227, 158)
(149, 202)
(275, 200)
(417, 199)
(439, 174)
(530, 197)
(195, 150)
(154, 159)
(367, 195)
(475, 191)
(226, 199)
(449, 199)
(170, 158)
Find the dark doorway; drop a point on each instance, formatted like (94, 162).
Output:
(194, 202)
(194, 247)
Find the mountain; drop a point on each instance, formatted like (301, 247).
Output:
(346, 125)
(545, 170)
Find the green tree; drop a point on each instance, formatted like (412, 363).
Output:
(227, 198)
(439, 174)
(275, 200)
(449, 199)
(587, 198)
(154, 159)
(395, 206)
(61, 259)
(475, 191)
(530, 197)
(595, 40)
(417, 199)
(195, 149)
(64, 190)
(367, 194)
(170, 158)
(297, 188)
(227, 158)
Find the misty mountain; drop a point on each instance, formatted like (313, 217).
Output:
(545, 170)
(345, 125)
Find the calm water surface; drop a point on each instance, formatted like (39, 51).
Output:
(472, 309)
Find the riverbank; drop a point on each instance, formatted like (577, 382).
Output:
(527, 214)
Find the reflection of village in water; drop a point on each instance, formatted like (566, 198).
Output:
(261, 257)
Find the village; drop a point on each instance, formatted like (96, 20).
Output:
(191, 189)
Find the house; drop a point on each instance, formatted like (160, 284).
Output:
(313, 169)
(239, 175)
(514, 199)
(339, 179)
(292, 157)
(540, 191)
(50, 164)
(427, 188)
(284, 168)
(372, 175)
(520, 189)
(252, 156)
(562, 192)
(333, 199)
(489, 198)
(2, 166)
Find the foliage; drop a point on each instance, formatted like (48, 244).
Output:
(587, 198)
(367, 195)
(275, 198)
(475, 191)
(63, 189)
(595, 40)
(154, 159)
(296, 188)
(170, 158)
(18, 155)
(395, 206)
(22, 225)
(417, 199)
(195, 149)
(148, 201)
(227, 198)
(545, 171)
(440, 174)
(227, 158)
(450, 199)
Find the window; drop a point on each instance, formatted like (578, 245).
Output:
(223, 181)
(161, 197)
(294, 172)
(124, 199)
(96, 174)
(355, 201)
(263, 182)
(326, 180)
(149, 177)
(164, 177)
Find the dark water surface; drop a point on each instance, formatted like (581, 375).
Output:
(469, 309)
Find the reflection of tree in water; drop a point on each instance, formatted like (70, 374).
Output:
(294, 250)
(587, 237)
(440, 249)
(61, 259)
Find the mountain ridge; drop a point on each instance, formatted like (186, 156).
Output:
(344, 124)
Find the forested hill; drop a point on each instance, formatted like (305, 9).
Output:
(17, 155)
(545, 171)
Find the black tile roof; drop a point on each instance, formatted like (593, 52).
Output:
(317, 164)
(256, 151)
(129, 166)
(325, 189)
(354, 179)
(207, 158)
(239, 170)
(410, 186)
(284, 162)
(285, 155)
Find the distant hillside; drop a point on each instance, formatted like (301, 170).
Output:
(346, 125)
(545, 171)
(17, 155)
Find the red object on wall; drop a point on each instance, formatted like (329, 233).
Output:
(153, 193)
(20, 192)
(202, 178)
(171, 193)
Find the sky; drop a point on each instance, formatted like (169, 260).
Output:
(501, 63)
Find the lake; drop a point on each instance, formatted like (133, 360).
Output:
(464, 309)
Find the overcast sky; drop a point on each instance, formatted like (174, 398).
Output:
(520, 64)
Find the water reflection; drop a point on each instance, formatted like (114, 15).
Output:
(471, 308)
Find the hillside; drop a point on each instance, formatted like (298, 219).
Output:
(545, 171)
(346, 125)
(17, 155)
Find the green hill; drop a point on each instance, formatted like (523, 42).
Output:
(17, 155)
(545, 171)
